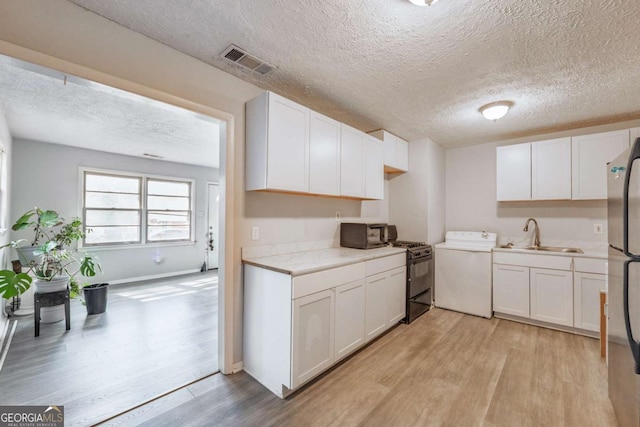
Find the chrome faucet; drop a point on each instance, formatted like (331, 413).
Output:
(536, 235)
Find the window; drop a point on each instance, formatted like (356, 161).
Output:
(168, 210)
(124, 209)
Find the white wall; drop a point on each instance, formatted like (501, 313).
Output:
(416, 198)
(471, 203)
(6, 145)
(46, 175)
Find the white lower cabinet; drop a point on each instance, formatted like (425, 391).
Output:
(552, 289)
(376, 321)
(511, 290)
(349, 318)
(313, 339)
(396, 300)
(586, 294)
(551, 293)
(297, 327)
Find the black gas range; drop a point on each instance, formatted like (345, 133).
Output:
(420, 277)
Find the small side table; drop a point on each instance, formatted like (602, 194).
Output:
(51, 299)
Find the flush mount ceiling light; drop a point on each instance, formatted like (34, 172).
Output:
(423, 2)
(495, 110)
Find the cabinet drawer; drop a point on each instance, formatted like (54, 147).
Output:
(590, 265)
(379, 265)
(538, 261)
(316, 282)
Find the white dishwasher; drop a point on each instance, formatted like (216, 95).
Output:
(463, 272)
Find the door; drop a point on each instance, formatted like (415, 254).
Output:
(511, 290)
(586, 305)
(374, 169)
(288, 145)
(551, 169)
(313, 340)
(589, 157)
(352, 162)
(624, 385)
(350, 303)
(324, 159)
(213, 221)
(396, 304)
(551, 296)
(376, 295)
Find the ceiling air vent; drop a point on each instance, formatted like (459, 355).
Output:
(242, 58)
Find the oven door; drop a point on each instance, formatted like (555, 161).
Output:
(420, 276)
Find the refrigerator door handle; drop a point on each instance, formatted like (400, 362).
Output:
(633, 344)
(635, 154)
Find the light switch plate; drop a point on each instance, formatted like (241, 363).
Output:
(597, 228)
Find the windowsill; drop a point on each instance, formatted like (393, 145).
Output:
(136, 246)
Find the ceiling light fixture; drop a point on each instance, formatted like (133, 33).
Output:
(423, 2)
(495, 110)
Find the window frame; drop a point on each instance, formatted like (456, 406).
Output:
(143, 220)
(147, 210)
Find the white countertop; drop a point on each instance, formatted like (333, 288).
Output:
(305, 262)
(588, 253)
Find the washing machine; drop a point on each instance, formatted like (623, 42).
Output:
(463, 272)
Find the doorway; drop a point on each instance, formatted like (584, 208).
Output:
(176, 294)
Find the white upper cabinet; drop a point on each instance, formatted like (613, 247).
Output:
(396, 151)
(373, 169)
(324, 149)
(277, 156)
(551, 169)
(352, 162)
(589, 157)
(513, 172)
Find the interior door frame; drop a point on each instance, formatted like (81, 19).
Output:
(226, 173)
(217, 184)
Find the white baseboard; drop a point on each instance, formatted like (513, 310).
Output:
(153, 276)
(237, 367)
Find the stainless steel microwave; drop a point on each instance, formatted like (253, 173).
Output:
(362, 236)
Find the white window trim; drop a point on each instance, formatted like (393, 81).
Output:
(143, 208)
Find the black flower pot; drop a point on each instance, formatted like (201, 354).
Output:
(95, 296)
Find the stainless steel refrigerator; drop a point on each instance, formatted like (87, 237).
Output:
(623, 187)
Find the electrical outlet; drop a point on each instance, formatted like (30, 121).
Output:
(255, 233)
(597, 228)
(338, 216)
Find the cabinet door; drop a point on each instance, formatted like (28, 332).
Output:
(352, 162)
(374, 169)
(313, 340)
(403, 155)
(390, 146)
(375, 312)
(589, 157)
(288, 145)
(552, 296)
(324, 159)
(551, 169)
(396, 295)
(513, 172)
(511, 290)
(586, 288)
(350, 303)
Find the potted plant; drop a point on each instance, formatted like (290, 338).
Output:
(55, 263)
(40, 222)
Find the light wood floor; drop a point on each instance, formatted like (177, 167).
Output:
(445, 369)
(155, 336)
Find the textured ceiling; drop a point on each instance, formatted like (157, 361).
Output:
(420, 71)
(40, 105)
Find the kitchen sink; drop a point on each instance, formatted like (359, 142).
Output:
(544, 248)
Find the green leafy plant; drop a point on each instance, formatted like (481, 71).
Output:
(54, 254)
